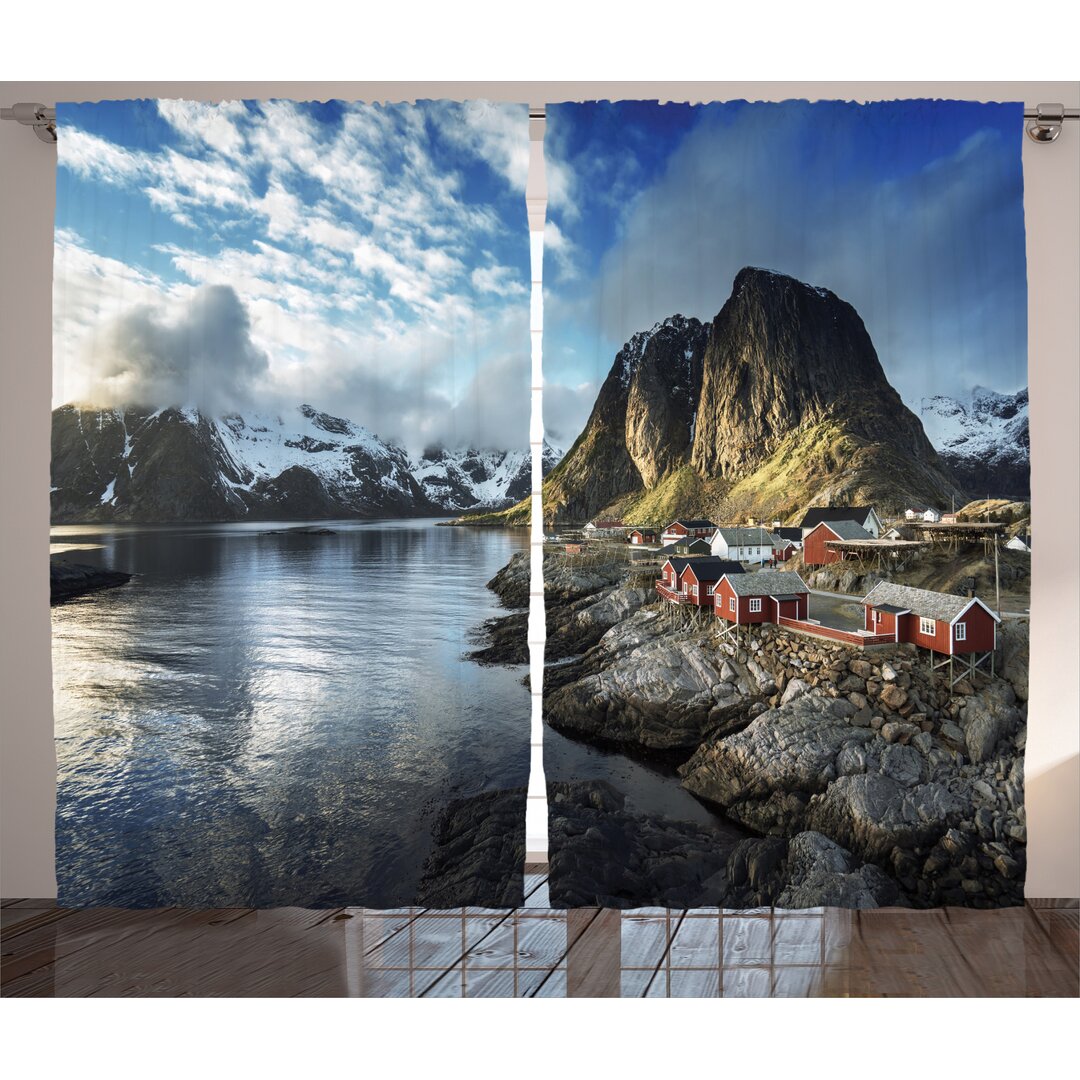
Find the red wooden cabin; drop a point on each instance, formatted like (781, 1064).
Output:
(761, 597)
(941, 622)
(692, 581)
(688, 529)
(642, 536)
(815, 551)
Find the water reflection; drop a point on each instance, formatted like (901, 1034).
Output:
(275, 719)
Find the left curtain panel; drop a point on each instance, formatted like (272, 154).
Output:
(290, 342)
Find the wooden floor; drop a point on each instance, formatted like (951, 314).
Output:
(534, 951)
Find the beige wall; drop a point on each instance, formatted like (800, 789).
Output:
(27, 167)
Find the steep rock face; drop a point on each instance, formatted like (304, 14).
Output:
(787, 407)
(985, 441)
(785, 356)
(641, 424)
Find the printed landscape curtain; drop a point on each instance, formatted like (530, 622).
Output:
(291, 340)
(786, 660)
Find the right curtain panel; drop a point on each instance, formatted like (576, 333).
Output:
(787, 555)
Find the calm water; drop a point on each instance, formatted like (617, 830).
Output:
(263, 720)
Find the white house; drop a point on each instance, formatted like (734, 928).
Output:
(922, 513)
(743, 543)
(866, 516)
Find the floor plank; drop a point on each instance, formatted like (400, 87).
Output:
(536, 951)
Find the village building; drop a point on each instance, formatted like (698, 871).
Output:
(687, 528)
(686, 580)
(642, 536)
(951, 518)
(923, 513)
(945, 624)
(764, 596)
(603, 528)
(1020, 542)
(744, 543)
(785, 542)
(816, 549)
(866, 516)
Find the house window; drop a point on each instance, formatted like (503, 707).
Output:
(961, 632)
(693, 590)
(755, 603)
(877, 616)
(710, 589)
(926, 626)
(731, 603)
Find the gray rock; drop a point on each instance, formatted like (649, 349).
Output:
(795, 689)
(987, 718)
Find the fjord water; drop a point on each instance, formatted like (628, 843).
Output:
(262, 720)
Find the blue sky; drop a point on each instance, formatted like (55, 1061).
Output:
(371, 260)
(911, 211)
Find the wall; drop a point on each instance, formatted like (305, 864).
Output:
(27, 767)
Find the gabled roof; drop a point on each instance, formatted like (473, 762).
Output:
(741, 535)
(817, 514)
(785, 533)
(768, 583)
(943, 607)
(712, 569)
(846, 530)
(693, 523)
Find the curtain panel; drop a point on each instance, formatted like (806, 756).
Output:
(787, 610)
(291, 341)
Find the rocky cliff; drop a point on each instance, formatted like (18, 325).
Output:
(779, 404)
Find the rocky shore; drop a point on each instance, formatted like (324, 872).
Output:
(581, 604)
(68, 580)
(602, 855)
(917, 785)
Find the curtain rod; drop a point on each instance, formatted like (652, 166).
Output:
(1043, 122)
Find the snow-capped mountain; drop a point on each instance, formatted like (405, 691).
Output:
(985, 441)
(182, 465)
(463, 480)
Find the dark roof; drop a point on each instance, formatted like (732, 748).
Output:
(706, 569)
(693, 523)
(745, 535)
(817, 514)
(768, 583)
(787, 596)
(892, 609)
(794, 534)
(715, 569)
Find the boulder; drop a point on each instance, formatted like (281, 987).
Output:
(987, 718)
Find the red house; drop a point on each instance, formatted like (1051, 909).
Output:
(693, 581)
(952, 625)
(815, 551)
(688, 529)
(761, 597)
(642, 536)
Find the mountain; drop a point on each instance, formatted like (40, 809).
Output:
(178, 464)
(984, 441)
(779, 404)
(468, 480)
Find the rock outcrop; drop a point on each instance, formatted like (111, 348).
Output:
(601, 854)
(68, 580)
(780, 403)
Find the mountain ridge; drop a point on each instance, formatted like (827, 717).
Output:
(179, 464)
